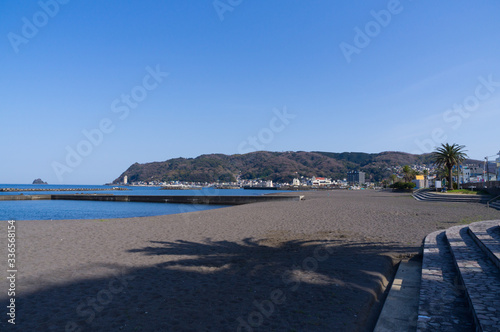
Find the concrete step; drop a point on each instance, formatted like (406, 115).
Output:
(441, 197)
(419, 192)
(487, 237)
(495, 205)
(479, 275)
(401, 304)
(451, 199)
(443, 303)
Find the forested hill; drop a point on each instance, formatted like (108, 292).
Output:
(276, 166)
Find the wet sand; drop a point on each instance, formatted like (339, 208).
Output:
(315, 265)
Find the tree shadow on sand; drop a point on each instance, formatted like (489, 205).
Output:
(315, 285)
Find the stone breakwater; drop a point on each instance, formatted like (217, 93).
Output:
(60, 189)
(181, 199)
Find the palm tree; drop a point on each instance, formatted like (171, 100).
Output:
(442, 173)
(408, 173)
(393, 178)
(448, 156)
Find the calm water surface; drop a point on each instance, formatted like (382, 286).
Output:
(58, 210)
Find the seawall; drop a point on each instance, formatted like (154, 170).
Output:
(492, 187)
(192, 199)
(24, 197)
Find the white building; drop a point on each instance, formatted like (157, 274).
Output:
(125, 180)
(464, 175)
(317, 181)
(296, 182)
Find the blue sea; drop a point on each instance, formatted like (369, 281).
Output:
(62, 209)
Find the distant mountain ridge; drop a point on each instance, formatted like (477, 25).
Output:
(276, 166)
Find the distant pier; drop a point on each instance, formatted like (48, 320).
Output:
(59, 189)
(22, 197)
(191, 199)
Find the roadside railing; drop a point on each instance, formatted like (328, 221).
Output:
(481, 185)
(491, 200)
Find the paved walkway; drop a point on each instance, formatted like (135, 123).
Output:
(443, 304)
(460, 287)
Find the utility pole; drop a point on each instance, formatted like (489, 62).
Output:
(460, 178)
(484, 168)
(488, 171)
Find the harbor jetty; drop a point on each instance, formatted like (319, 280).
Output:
(59, 189)
(181, 199)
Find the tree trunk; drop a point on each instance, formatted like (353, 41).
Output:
(450, 184)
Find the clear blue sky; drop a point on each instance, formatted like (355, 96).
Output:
(365, 76)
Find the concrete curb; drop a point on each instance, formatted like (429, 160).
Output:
(401, 306)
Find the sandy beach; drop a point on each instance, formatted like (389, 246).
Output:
(316, 265)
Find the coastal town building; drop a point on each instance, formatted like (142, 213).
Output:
(464, 175)
(296, 182)
(319, 181)
(419, 181)
(491, 176)
(476, 173)
(498, 166)
(355, 177)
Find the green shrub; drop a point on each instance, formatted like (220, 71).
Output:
(403, 185)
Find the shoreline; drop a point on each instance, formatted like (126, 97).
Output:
(60, 189)
(175, 199)
(321, 263)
